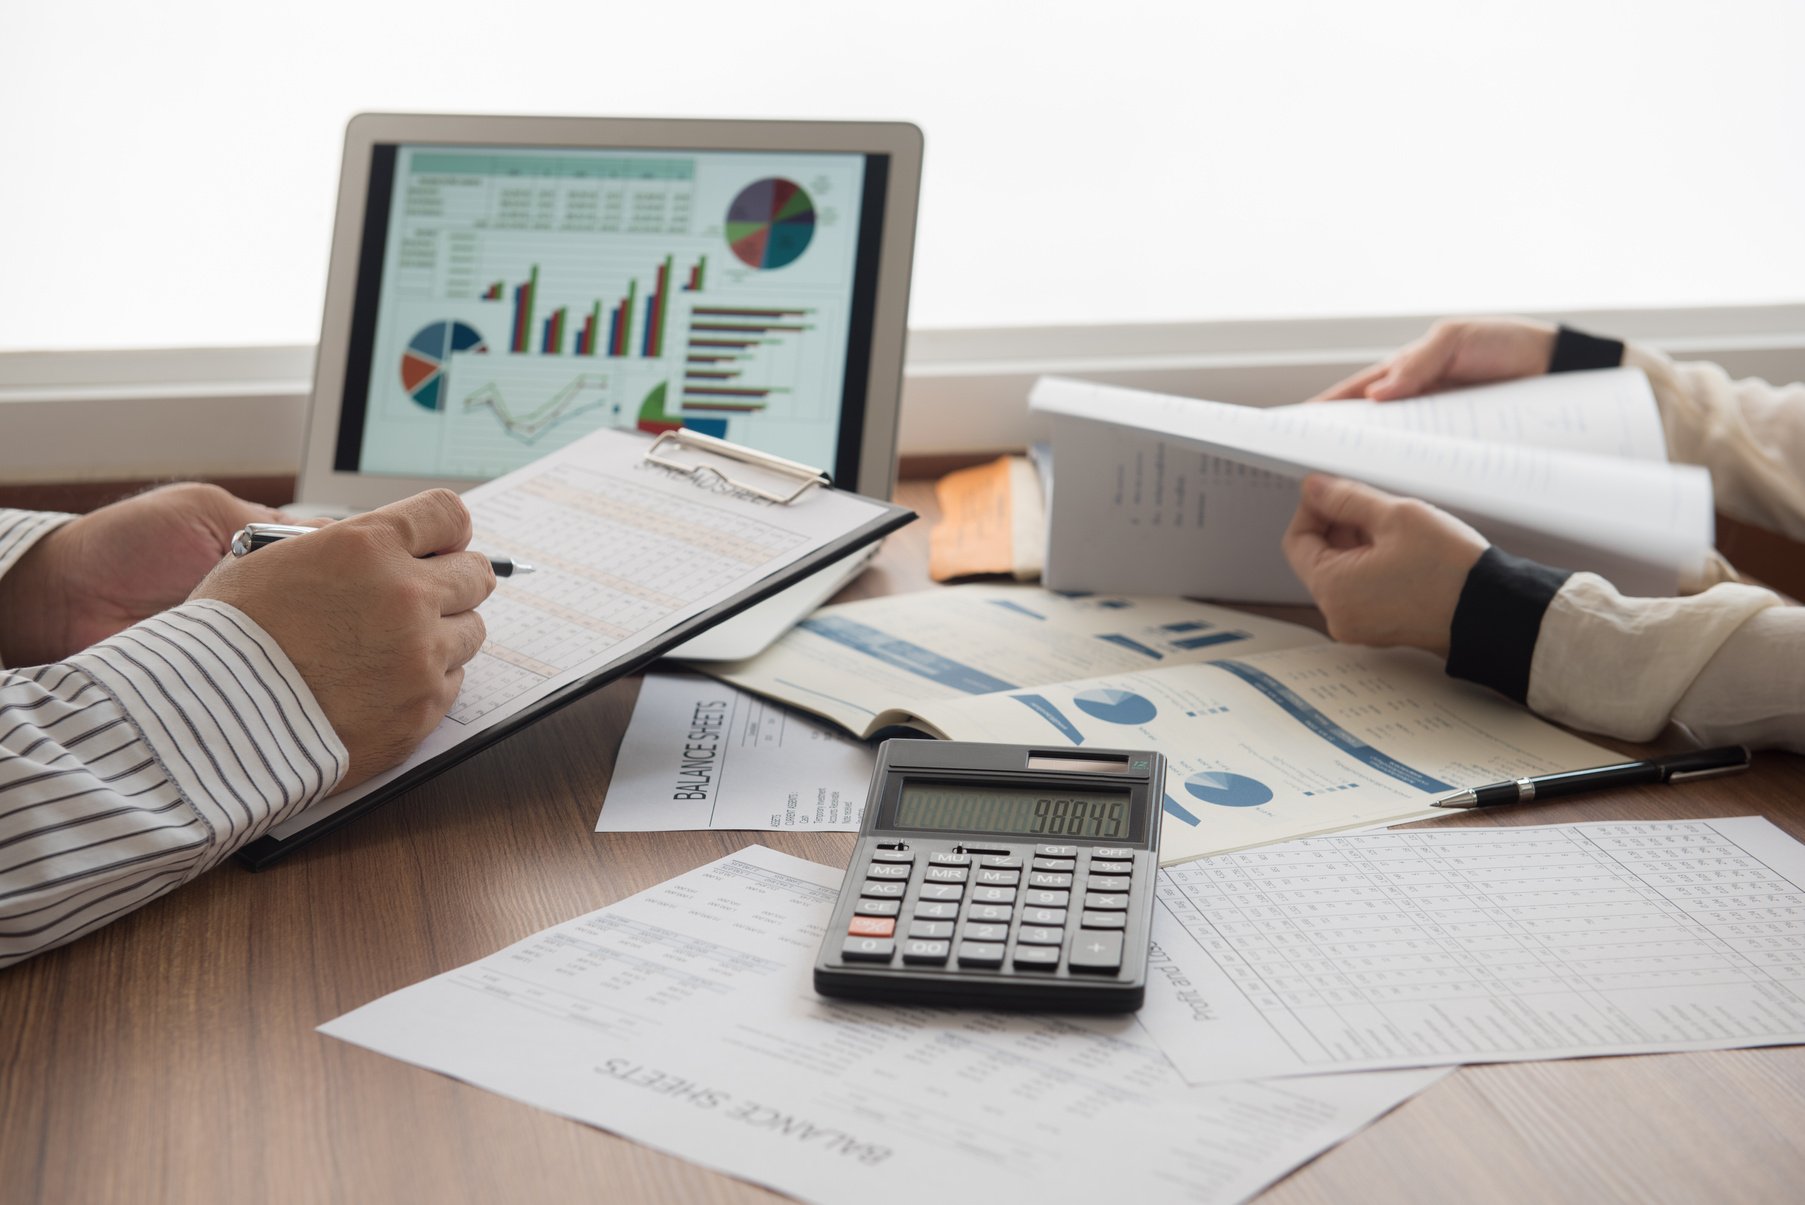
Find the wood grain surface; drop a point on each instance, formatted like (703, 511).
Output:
(172, 1056)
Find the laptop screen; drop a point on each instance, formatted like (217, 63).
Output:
(512, 299)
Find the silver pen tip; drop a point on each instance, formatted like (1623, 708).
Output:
(521, 567)
(1460, 799)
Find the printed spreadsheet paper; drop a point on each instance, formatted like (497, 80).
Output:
(683, 1017)
(625, 552)
(1430, 947)
(699, 754)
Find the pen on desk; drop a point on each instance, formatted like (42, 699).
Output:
(253, 536)
(1678, 767)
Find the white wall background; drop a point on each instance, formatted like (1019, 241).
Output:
(167, 170)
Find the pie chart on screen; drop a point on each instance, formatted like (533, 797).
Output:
(1228, 790)
(770, 223)
(1116, 706)
(423, 363)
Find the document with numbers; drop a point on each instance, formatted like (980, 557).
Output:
(700, 754)
(683, 1018)
(1429, 947)
(632, 559)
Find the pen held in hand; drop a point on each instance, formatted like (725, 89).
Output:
(253, 536)
(1677, 767)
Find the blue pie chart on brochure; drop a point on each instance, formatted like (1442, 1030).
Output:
(1116, 706)
(1228, 790)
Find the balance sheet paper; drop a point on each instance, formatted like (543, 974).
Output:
(683, 1018)
(1429, 947)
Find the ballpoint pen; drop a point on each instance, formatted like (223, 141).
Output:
(1678, 767)
(253, 536)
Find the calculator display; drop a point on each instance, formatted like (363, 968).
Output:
(1021, 811)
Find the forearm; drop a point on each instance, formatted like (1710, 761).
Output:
(1728, 664)
(1750, 434)
(144, 761)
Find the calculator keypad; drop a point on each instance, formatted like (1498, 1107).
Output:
(1035, 910)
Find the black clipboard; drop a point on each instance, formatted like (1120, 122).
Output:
(666, 451)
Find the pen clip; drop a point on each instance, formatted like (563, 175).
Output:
(1713, 772)
(1707, 763)
(253, 536)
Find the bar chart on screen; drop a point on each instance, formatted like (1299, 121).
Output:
(530, 298)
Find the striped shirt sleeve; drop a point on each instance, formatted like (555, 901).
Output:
(20, 529)
(144, 761)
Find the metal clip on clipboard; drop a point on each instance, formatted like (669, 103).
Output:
(667, 451)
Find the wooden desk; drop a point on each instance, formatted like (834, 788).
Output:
(172, 1056)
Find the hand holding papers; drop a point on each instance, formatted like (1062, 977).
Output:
(1167, 495)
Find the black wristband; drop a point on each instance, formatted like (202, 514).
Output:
(1575, 351)
(1492, 639)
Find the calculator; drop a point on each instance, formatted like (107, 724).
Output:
(1000, 876)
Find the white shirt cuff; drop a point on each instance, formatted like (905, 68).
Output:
(226, 713)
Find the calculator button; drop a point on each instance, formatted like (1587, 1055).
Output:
(930, 930)
(985, 932)
(867, 949)
(991, 895)
(989, 912)
(1001, 862)
(877, 908)
(999, 878)
(1038, 935)
(1039, 958)
(942, 891)
(876, 890)
(1108, 882)
(1046, 899)
(950, 859)
(948, 874)
(936, 909)
(887, 870)
(892, 855)
(926, 951)
(1096, 952)
(872, 926)
(1113, 855)
(1104, 920)
(1055, 863)
(1097, 901)
(1043, 916)
(1055, 851)
(981, 954)
(1042, 879)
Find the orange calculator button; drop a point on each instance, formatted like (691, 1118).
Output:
(872, 926)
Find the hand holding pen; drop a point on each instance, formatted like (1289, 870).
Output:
(377, 615)
(258, 535)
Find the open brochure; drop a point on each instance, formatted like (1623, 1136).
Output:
(1270, 731)
(1167, 495)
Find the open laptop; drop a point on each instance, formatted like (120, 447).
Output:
(500, 286)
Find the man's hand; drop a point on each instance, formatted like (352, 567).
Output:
(377, 613)
(1455, 352)
(97, 575)
(1384, 570)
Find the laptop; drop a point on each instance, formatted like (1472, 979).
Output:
(500, 286)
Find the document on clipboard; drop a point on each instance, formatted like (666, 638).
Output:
(639, 545)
